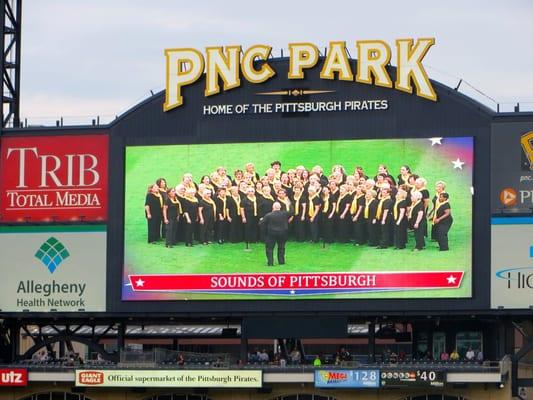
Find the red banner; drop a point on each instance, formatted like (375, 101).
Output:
(300, 283)
(53, 178)
(13, 377)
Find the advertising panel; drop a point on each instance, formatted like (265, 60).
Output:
(13, 377)
(53, 268)
(360, 378)
(512, 168)
(171, 378)
(340, 245)
(512, 262)
(53, 178)
(414, 377)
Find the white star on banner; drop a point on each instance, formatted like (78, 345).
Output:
(435, 140)
(293, 291)
(451, 280)
(458, 164)
(139, 282)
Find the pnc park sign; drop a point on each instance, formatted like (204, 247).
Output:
(184, 66)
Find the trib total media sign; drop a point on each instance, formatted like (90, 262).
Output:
(184, 66)
(53, 178)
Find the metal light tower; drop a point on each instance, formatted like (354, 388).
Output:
(11, 39)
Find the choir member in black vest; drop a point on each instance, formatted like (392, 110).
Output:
(286, 184)
(250, 215)
(153, 208)
(207, 210)
(265, 206)
(238, 177)
(222, 223)
(250, 169)
(342, 215)
(221, 175)
(162, 185)
(369, 215)
(356, 212)
(420, 186)
(276, 166)
(180, 195)
(285, 201)
(417, 217)
(382, 169)
(300, 211)
(207, 183)
(333, 190)
(442, 221)
(313, 209)
(327, 214)
(171, 214)
(405, 173)
(323, 179)
(385, 218)
(188, 181)
(234, 215)
(190, 213)
(399, 212)
(440, 187)
(243, 187)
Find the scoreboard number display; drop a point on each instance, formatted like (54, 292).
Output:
(412, 377)
(344, 378)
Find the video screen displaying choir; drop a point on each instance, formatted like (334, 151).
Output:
(378, 210)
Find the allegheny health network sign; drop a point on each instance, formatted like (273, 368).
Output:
(53, 268)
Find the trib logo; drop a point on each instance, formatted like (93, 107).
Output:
(13, 377)
(508, 197)
(72, 165)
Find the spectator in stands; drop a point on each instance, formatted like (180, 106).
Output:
(180, 360)
(317, 361)
(263, 357)
(295, 356)
(344, 355)
(401, 355)
(479, 356)
(253, 357)
(385, 356)
(470, 354)
(454, 356)
(444, 356)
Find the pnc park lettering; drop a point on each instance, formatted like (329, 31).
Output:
(184, 66)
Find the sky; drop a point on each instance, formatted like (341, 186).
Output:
(82, 59)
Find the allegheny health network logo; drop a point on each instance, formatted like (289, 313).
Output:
(52, 253)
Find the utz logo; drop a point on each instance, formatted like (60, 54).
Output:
(13, 377)
(333, 377)
(52, 253)
(91, 378)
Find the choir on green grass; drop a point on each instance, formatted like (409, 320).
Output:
(379, 210)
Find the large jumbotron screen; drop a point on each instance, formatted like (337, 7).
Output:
(347, 250)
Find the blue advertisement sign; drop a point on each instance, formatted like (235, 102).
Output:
(343, 378)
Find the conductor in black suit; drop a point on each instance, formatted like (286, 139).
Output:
(276, 226)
